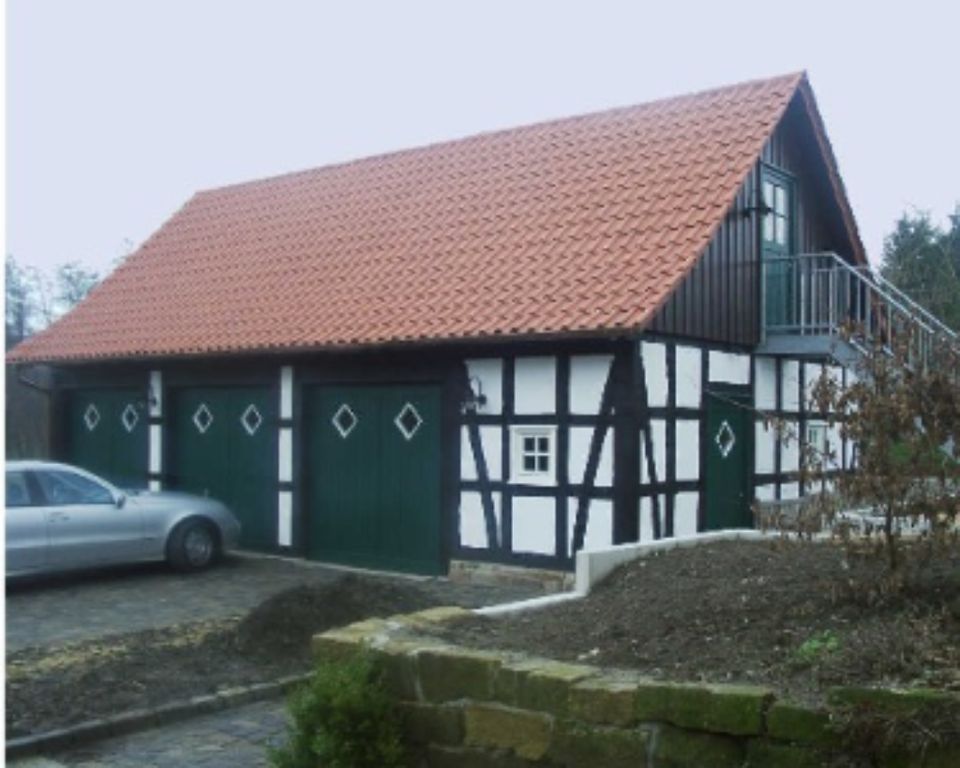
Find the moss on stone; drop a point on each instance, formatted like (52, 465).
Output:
(527, 734)
(546, 686)
(733, 709)
(792, 722)
(580, 746)
(606, 699)
(764, 753)
(447, 674)
(432, 723)
(678, 748)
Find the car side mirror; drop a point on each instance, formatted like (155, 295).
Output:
(121, 500)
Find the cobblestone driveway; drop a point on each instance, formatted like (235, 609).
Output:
(235, 738)
(68, 608)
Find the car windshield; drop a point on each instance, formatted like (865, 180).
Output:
(61, 487)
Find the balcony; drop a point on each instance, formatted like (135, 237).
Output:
(819, 306)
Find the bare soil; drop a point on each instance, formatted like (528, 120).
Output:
(798, 616)
(52, 688)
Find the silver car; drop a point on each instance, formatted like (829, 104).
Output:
(60, 517)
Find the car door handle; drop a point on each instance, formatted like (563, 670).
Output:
(56, 517)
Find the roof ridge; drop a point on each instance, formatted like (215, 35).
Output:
(795, 76)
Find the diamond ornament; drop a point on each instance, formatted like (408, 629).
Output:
(202, 419)
(725, 439)
(91, 417)
(408, 421)
(344, 420)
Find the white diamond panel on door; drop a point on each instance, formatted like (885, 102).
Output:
(725, 439)
(251, 420)
(129, 417)
(91, 417)
(408, 421)
(202, 418)
(344, 421)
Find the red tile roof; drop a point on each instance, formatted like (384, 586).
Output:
(573, 226)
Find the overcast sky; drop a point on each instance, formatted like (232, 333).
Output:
(117, 111)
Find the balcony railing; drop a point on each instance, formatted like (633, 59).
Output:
(821, 295)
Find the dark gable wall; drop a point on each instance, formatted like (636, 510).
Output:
(719, 301)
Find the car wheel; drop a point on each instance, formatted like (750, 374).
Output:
(193, 546)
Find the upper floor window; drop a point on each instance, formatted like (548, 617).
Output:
(776, 219)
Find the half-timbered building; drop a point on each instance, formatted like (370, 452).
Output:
(504, 348)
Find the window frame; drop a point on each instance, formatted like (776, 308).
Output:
(519, 473)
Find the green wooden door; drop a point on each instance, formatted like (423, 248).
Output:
(728, 455)
(108, 434)
(780, 284)
(224, 446)
(372, 477)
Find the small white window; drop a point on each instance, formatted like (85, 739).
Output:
(534, 454)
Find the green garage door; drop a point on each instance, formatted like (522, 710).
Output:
(224, 446)
(108, 434)
(372, 477)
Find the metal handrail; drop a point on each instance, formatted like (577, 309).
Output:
(823, 295)
(927, 314)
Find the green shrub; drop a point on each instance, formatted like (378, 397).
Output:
(342, 718)
(815, 648)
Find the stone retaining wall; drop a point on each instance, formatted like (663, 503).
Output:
(465, 708)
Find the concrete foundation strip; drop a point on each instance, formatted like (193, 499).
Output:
(144, 719)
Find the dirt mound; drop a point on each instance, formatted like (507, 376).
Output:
(284, 623)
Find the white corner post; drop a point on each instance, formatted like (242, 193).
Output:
(285, 459)
(155, 442)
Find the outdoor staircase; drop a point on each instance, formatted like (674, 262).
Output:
(820, 306)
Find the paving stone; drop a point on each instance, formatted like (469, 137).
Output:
(60, 609)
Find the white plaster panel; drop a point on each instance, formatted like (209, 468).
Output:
(579, 453)
(811, 375)
(534, 525)
(790, 448)
(491, 444)
(156, 389)
(489, 372)
(790, 491)
(658, 429)
(646, 517)
(834, 447)
(687, 449)
(286, 392)
(473, 525)
(588, 377)
(599, 533)
(655, 368)
(765, 446)
(766, 492)
(658, 435)
(851, 454)
(468, 467)
(765, 383)
(535, 385)
(285, 519)
(685, 507)
(790, 375)
(156, 448)
(729, 367)
(285, 455)
(689, 365)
